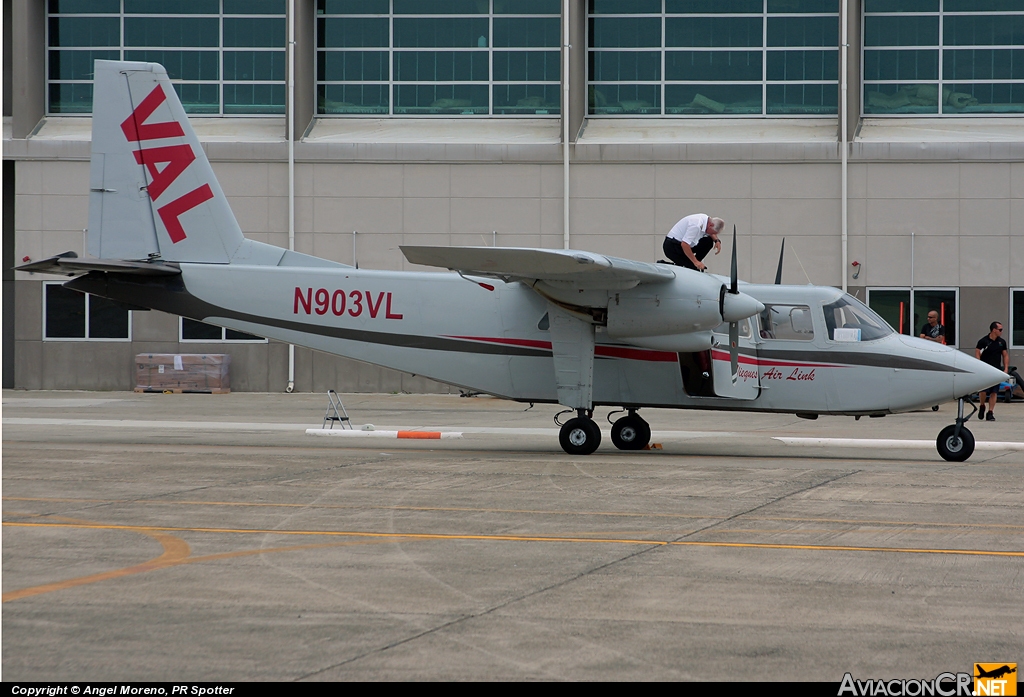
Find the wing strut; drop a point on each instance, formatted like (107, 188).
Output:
(572, 344)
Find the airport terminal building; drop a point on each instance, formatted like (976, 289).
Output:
(883, 139)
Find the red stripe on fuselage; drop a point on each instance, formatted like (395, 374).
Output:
(634, 354)
(720, 355)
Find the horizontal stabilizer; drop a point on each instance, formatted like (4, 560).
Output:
(68, 264)
(584, 269)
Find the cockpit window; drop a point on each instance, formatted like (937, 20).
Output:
(787, 322)
(848, 319)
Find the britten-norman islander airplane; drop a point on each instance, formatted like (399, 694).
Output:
(533, 325)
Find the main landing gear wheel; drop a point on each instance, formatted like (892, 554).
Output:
(952, 447)
(580, 436)
(631, 433)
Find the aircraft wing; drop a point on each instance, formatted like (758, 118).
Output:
(582, 269)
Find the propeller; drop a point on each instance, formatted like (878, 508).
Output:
(734, 307)
(734, 327)
(778, 273)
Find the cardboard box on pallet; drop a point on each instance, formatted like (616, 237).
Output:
(183, 372)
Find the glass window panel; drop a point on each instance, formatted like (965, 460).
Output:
(84, 6)
(353, 99)
(254, 65)
(713, 31)
(713, 6)
(198, 99)
(527, 31)
(527, 7)
(522, 66)
(983, 98)
(625, 32)
(171, 31)
(787, 323)
(625, 7)
(107, 319)
(901, 65)
(984, 30)
(799, 6)
(77, 65)
(441, 99)
(901, 99)
(440, 7)
(920, 30)
(352, 32)
(803, 65)
(255, 7)
(610, 66)
(441, 66)
(803, 99)
(713, 99)
(73, 98)
(352, 65)
(902, 5)
(182, 65)
(1017, 310)
(461, 32)
(803, 31)
(983, 64)
(625, 99)
(84, 31)
(65, 312)
(713, 65)
(192, 330)
(254, 99)
(235, 335)
(352, 7)
(893, 306)
(269, 32)
(942, 302)
(983, 6)
(172, 7)
(526, 99)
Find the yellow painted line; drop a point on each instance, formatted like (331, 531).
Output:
(525, 538)
(529, 511)
(175, 550)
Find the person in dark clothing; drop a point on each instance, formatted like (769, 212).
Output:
(992, 349)
(932, 330)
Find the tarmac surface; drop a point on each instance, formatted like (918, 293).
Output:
(208, 537)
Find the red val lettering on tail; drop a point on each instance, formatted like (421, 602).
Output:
(177, 157)
(169, 213)
(134, 127)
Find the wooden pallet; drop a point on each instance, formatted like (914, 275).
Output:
(179, 390)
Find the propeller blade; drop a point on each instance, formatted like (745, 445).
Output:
(734, 349)
(734, 289)
(778, 274)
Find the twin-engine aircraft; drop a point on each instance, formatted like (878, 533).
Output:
(533, 325)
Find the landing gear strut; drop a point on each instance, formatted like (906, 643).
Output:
(631, 432)
(580, 435)
(955, 442)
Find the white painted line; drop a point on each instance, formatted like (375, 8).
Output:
(889, 443)
(129, 423)
(411, 435)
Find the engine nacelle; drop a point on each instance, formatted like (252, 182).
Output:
(687, 304)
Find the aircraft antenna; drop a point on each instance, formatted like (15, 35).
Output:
(802, 268)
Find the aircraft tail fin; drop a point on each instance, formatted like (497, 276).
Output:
(153, 194)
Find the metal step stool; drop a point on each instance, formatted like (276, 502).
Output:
(339, 414)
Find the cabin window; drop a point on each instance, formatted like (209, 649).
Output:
(787, 323)
(907, 312)
(190, 330)
(848, 320)
(1016, 318)
(72, 316)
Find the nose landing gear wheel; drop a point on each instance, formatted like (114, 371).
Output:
(952, 447)
(631, 433)
(579, 436)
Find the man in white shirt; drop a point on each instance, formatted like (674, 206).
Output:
(690, 240)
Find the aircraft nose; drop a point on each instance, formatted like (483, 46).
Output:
(976, 375)
(740, 306)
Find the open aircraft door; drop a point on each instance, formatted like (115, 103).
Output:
(747, 385)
